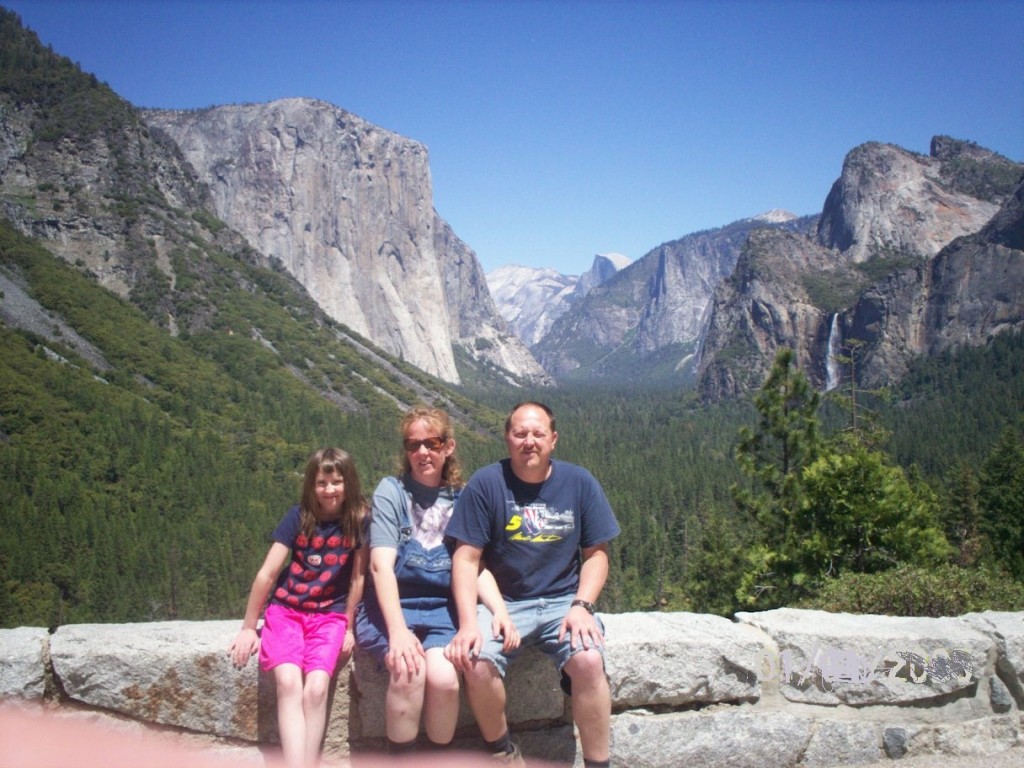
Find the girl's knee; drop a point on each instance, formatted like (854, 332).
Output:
(405, 685)
(316, 687)
(288, 681)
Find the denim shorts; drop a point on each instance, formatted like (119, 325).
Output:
(538, 621)
(431, 619)
(306, 639)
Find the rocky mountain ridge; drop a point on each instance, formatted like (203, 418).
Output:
(137, 200)
(714, 306)
(647, 319)
(531, 299)
(83, 175)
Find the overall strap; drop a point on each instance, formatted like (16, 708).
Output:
(405, 521)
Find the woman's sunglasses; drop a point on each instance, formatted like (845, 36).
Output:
(433, 444)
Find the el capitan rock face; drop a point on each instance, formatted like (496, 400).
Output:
(347, 208)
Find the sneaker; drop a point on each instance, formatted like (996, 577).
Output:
(513, 758)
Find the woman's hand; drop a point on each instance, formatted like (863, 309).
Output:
(349, 643)
(502, 626)
(405, 653)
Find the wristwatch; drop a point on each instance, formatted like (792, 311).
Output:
(589, 607)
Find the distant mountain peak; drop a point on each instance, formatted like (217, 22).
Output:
(775, 216)
(618, 260)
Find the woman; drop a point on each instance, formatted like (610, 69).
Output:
(407, 616)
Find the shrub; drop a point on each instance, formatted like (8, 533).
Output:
(907, 591)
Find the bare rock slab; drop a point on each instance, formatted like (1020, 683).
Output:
(678, 659)
(733, 738)
(23, 662)
(173, 673)
(1007, 632)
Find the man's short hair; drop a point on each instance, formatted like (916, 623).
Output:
(535, 404)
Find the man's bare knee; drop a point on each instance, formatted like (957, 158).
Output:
(585, 668)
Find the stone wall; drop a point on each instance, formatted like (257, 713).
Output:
(778, 688)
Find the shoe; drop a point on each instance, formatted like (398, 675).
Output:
(513, 758)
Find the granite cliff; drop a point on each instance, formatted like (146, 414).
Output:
(298, 187)
(912, 255)
(347, 208)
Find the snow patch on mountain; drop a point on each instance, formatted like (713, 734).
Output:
(775, 216)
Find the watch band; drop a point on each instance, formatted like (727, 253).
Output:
(589, 607)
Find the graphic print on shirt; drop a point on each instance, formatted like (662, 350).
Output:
(537, 524)
(314, 569)
(429, 523)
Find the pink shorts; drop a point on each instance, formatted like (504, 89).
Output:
(310, 641)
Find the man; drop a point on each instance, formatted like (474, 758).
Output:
(542, 528)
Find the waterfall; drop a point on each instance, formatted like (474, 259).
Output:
(833, 372)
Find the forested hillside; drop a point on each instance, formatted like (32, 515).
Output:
(145, 486)
(160, 386)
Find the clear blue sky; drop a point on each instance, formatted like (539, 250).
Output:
(558, 130)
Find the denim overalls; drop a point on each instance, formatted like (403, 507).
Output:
(424, 589)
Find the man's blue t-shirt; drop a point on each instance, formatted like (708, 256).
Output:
(531, 533)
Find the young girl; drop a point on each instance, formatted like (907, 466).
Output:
(407, 617)
(309, 620)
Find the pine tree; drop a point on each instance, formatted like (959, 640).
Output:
(1002, 504)
(774, 455)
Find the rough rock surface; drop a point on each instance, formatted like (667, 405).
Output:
(22, 671)
(347, 208)
(651, 315)
(101, 202)
(531, 299)
(889, 199)
(665, 659)
(970, 291)
(685, 688)
(766, 305)
(840, 658)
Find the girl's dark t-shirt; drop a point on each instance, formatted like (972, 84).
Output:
(320, 571)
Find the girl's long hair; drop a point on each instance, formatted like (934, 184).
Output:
(451, 472)
(334, 461)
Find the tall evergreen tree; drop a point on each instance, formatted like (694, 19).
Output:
(773, 455)
(1001, 499)
(962, 519)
